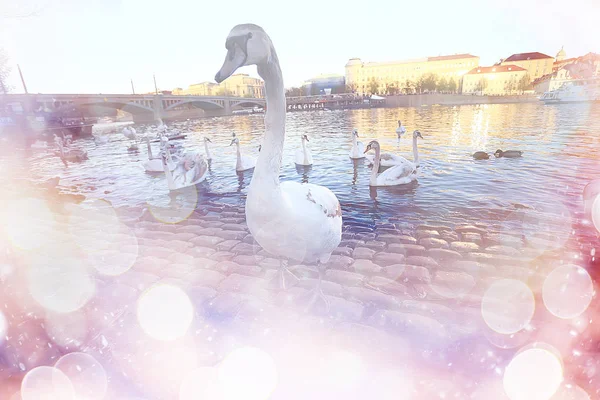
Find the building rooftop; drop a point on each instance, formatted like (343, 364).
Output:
(451, 57)
(495, 69)
(527, 56)
(355, 61)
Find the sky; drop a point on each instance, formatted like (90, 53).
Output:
(97, 46)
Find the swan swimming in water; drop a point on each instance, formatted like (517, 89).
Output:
(155, 164)
(400, 130)
(243, 162)
(303, 155)
(129, 133)
(358, 148)
(290, 220)
(397, 175)
(190, 170)
(67, 153)
(206, 149)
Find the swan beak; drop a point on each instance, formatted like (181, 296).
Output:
(306, 137)
(236, 57)
(209, 140)
(367, 149)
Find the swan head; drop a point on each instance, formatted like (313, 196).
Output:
(355, 133)
(259, 147)
(498, 153)
(399, 123)
(304, 137)
(207, 139)
(246, 44)
(417, 134)
(234, 141)
(373, 145)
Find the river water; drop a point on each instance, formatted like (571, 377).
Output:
(528, 194)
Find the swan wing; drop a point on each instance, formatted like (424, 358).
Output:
(248, 162)
(397, 175)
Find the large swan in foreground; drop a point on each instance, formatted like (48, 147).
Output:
(358, 148)
(397, 175)
(303, 155)
(242, 162)
(290, 220)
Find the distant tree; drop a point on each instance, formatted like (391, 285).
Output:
(351, 87)
(4, 72)
(420, 84)
(452, 87)
(482, 84)
(524, 83)
(223, 92)
(314, 90)
(408, 86)
(374, 86)
(510, 85)
(294, 92)
(429, 82)
(442, 85)
(391, 89)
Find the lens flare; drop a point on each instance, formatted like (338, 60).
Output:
(59, 284)
(247, 373)
(118, 255)
(181, 206)
(93, 225)
(343, 370)
(201, 383)
(165, 312)
(86, 374)
(29, 224)
(507, 306)
(567, 291)
(46, 383)
(570, 391)
(3, 327)
(596, 213)
(534, 374)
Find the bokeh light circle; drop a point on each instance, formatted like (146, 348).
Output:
(165, 312)
(119, 253)
(86, 374)
(93, 225)
(596, 212)
(46, 383)
(3, 326)
(59, 284)
(507, 306)
(247, 373)
(533, 374)
(29, 223)
(181, 205)
(567, 291)
(570, 391)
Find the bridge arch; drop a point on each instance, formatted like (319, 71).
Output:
(248, 103)
(130, 107)
(203, 104)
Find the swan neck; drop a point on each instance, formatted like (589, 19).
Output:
(375, 170)
(170, 181)
(207, 150)
(415, 151)
(150, 157)
(268, 163)
(239, 157)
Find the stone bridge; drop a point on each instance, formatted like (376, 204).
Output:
(143, 107)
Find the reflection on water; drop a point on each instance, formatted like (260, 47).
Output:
(559, 145)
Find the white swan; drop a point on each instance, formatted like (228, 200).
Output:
(243, 162)
(303, 155)
(358, 148)
(67, 153)
(101, 139)
(191, 170)
(391, 160)
(129, 133)
(396, 175)
(155, 164)
(400, 130)
(290, 220)
(206, 149)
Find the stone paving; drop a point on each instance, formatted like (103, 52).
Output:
(398, 296)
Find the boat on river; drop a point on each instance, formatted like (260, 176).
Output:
(574, 91)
